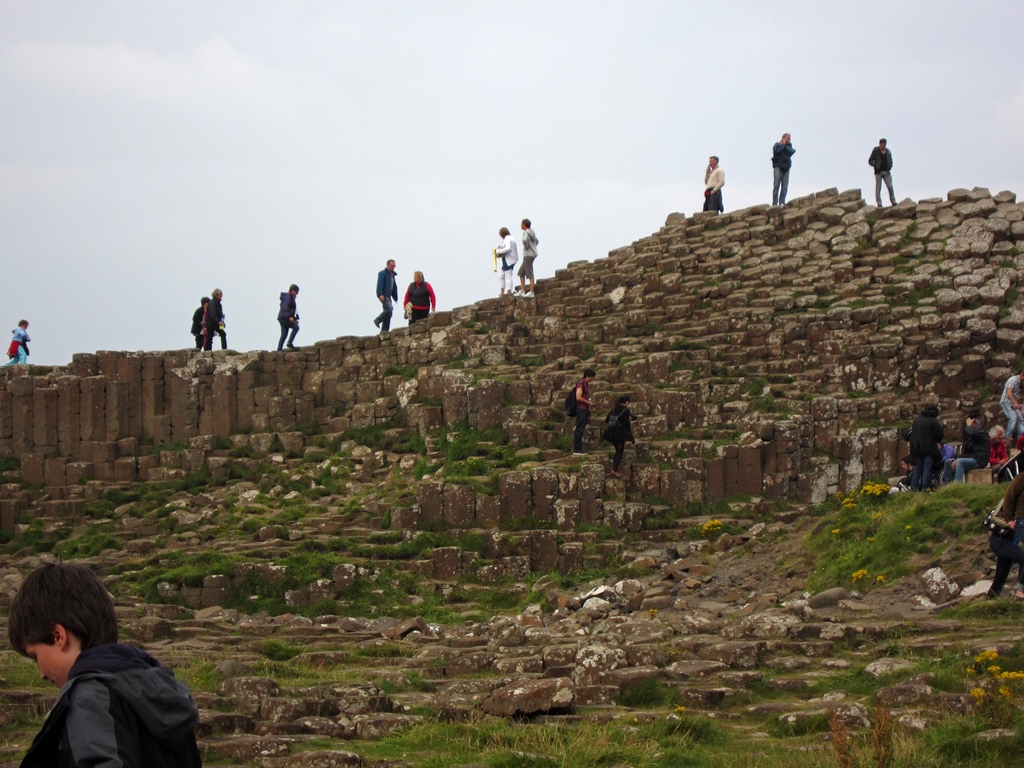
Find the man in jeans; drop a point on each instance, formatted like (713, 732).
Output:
(974, 452)
(1011, 402)
(583, 406)
(881, 161)
(782, 161)
(387, 292)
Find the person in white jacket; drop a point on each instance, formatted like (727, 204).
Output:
(507, 255)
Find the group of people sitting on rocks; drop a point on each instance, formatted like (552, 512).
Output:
(932, 461)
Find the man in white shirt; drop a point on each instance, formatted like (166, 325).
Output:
(714, 180)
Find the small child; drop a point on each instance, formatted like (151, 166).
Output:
(997, 447)
(18, 351)
(116, 705)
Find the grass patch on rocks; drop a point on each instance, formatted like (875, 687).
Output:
(869, 537)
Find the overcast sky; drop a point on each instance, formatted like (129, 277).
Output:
(152, 151)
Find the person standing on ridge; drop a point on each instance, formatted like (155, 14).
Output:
(881, 161)
(782, 161)
(197, 321)
(18, 351)
(529, 254)
(288, 317)
(419, 297)
(507, 253)
(215, 321)
(714, 180)
(387, 292)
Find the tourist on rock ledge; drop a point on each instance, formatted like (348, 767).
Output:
(508, 254)
(782, 161)
(18, 351)
(1012, 402)
(419, 297)
(215, 321)
(583, 406)
(881, 161)
(620, 431)
(387, 293)
(714, 180)
(529, 254)
(288, 317)
(197, 321)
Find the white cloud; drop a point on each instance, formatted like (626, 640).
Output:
(212, 75)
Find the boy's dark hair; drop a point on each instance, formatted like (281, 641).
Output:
(22, 323)
(204, 300)
(69, 595)
(503, 232)
(527, 223)
(293, 287)
(589, 372)
(624, 399)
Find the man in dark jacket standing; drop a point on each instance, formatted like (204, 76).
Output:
(881, 161)
(782, 161)
(288, 317)
(925, 436)
(198, 318)
(387, 292)
(974, 452)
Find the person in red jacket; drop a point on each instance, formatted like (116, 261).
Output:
(997, 455)
(419, 296)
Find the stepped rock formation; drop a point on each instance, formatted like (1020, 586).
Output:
(768, 351)
(771, 354)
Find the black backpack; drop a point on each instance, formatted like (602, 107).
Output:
(571, 407)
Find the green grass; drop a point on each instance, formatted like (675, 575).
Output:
(864, 540)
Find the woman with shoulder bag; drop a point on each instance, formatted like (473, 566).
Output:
(1004, 540)
(619, 431)
(419, 296)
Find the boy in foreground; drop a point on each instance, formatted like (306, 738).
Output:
(117, 706)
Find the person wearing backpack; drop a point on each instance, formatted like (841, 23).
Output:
(1003, 539)
(583, 406)
(619, 431)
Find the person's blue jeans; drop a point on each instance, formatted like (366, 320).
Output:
(384, 318)
(887, 178)
(922, 474)
(780, 186)
(287, 325)
(21, 359)
(1014, 422)
(963, 466)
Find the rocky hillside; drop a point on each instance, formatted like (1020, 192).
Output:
(352, 544)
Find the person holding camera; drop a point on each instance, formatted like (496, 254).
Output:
(1004, 541)
(782, 162)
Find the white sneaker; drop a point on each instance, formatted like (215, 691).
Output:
(528, 294)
